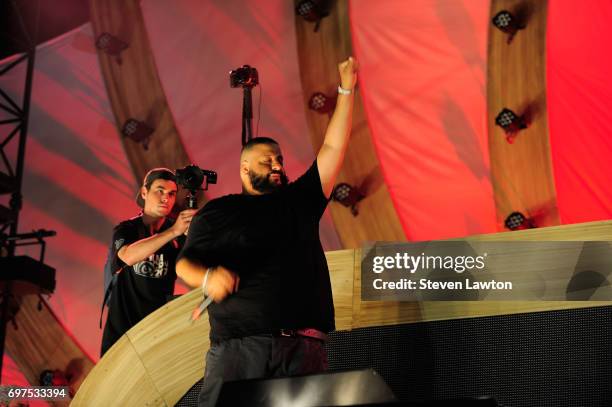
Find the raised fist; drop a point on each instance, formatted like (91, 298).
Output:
(348, 73)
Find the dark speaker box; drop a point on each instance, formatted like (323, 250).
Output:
(349, 388)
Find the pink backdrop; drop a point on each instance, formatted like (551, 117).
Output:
(423, 68)
(579, 92)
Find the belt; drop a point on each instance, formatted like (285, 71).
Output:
(308, 333)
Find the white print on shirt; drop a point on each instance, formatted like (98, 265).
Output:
(119, 243)
(153, 267)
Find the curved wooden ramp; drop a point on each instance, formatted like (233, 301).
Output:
(37, 341)
(159, 359)
(154, 363)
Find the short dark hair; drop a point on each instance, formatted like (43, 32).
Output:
(154, 174)
(256, 141)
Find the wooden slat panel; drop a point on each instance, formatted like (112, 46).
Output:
(37, 342)
(319, 54)
(375, 313)
(342, 265)
(119, 379)
(134, 88)
(593, 231)
(168, 336)
(521, 172)
(154, 363)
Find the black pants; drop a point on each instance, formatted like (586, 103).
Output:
(260, 356)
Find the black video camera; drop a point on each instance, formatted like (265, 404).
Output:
(245, 77)
(191, 178)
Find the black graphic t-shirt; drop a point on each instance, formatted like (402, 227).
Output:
(143, 287)
(272, 242)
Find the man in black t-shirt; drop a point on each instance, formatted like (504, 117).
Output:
(144, 254)
(259, 256)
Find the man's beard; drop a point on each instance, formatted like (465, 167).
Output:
(263, 183)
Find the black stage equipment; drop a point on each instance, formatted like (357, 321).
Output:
(511, 123)
(111, 45)
(518, 221)
(191, 178)
(138, 131)
(348, 196)
(509, 23)
(245, 77)
(353, 387)
(313, 11)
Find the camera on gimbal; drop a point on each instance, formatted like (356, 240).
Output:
(191, 178)
(246, 77)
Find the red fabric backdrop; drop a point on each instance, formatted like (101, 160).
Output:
(423, 68)
(579, 91)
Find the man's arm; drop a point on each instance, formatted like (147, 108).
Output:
(191, 272)
(220, 282)
(331, 154)
(132, 253)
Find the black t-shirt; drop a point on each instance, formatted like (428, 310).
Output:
(272, 242)
(143, 287)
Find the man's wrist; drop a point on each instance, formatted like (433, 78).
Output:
(344, 91)
(175, 233)
(205, 281)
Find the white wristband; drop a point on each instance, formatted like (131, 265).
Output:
(205, 281)
(343, 91)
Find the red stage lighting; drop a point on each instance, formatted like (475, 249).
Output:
(511, 123)
(507, 23)
(137, 131)
(518, 221)
(111, 45)
(348, 196)
(313, 10)
(322, 103)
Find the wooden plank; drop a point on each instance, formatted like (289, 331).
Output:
(134, 88)
(342, 265)
(319, 54)
(521, 172)
(119, 379)
(168, 336)
(377, 313)
(155, 362)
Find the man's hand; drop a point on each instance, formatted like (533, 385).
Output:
(221, 282)
(348, 73)
(182, 222)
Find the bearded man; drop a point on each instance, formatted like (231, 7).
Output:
(258, 255)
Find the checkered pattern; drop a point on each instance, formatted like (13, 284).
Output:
(341, 192)
(515, 220)
(317, 101)
(505, 118)
(502, 20)
(130, 127)
(305, 8)
(104, 41)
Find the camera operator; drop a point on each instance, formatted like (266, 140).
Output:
(143, 256)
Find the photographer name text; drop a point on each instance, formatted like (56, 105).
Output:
(427, 284)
